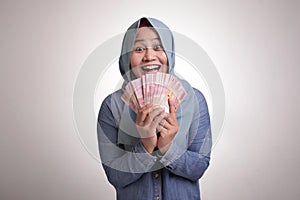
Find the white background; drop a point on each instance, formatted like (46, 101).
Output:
(254, 45)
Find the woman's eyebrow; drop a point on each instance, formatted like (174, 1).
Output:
(142, 40)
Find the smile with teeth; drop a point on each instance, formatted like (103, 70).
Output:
(151, 68)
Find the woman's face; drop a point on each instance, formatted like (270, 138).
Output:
(148, 55)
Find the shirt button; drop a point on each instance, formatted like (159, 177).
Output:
(156, 176)
(157, 198)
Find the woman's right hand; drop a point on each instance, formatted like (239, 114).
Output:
(147, 121)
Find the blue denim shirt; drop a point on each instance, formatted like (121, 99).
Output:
(138, 175)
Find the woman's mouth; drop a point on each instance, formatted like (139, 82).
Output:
(150, 68)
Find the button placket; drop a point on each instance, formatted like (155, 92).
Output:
(157, 185)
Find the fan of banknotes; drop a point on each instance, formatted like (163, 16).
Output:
(155, 88)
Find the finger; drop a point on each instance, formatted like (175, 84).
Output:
(166, 125)
(159, 127)
(158, 119)
(149, 105)
(163, 131)
(142, 114)
(140, 118)
(171, 119)
(155, 112)
(162, 122)
(172, 108)
(147, 120)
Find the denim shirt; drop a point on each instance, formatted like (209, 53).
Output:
(138, 175)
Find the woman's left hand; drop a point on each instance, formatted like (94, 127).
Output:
(168, 129)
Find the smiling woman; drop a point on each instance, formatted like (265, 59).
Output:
(151, 153)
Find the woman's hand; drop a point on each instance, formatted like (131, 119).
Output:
(148, 119)
(168, 129)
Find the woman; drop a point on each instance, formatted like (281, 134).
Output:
(153, 154)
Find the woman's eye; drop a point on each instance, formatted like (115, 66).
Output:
(158, 47)
(139, 49)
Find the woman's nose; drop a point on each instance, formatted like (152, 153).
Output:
(149, 55)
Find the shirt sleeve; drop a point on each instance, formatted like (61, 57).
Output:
(122, 167)
(195, 160)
